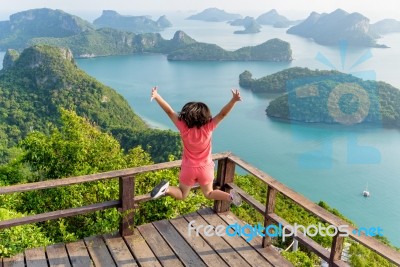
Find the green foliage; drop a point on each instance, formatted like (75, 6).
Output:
(160, 144)
(299, 258)
(18, 238)
(80, 147)
(361, 256)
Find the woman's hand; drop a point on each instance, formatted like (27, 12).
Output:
(154, 93)
(236, 95)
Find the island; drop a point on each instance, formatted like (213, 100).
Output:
(135, 24)
(385, 26)
(338, 26)
(274, 50)
(325, 96)
(249, 23)
(214, 15)
(25, 25)
(274, 19)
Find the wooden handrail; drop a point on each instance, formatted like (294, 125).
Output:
(225, 181)
(96, 177)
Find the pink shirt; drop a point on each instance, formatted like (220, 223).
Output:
(196, 144)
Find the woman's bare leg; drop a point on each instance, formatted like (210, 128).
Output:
(214, 194)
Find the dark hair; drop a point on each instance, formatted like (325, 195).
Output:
(195, 114)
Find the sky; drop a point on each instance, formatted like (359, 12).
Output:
(293, 9)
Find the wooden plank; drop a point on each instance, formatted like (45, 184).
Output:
(14, 261)
(238, 243)
(207, 254)
(119, 250)
(269, 253)
(224, 250)
(141, 250)
(57, 256)
(97, 177)
(59, 214)
(78, 254)
(178, 244)
(98, 252)
(35, 257)
(158, 245)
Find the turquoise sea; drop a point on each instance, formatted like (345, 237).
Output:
(333, 163)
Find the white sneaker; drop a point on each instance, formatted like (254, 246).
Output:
(160, 189)
(235, 198)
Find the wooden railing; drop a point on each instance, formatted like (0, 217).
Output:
(227, 162)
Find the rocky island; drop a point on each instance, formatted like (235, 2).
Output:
(315, 96)
(273, 18)
(330, 29)
(249, 23)
(135, 24)
(214, 15)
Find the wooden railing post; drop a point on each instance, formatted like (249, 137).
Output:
(225, 174)
(126, 196)
(336, 249)
(270, 208)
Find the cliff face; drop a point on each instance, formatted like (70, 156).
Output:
(330, 29)
(9, 59)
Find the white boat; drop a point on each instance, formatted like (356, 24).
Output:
(366, 192)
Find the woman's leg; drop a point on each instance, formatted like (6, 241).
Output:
(180, 192)
(214, 194)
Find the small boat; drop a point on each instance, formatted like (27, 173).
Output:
(366, 192)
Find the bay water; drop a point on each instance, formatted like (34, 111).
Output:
(333, 163)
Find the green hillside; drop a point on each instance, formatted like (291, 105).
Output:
(35, 84)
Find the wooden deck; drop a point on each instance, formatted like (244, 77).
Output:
(161, 243)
